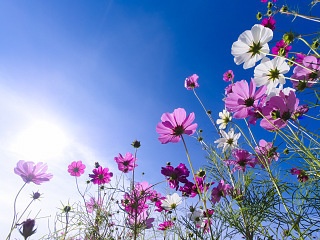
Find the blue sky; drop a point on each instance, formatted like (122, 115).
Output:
(100, 74)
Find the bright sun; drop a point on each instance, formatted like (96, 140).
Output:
(40, 141)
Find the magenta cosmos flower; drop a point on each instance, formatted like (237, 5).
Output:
(281, 48)
(278, 110)
(101, 175)
(31, 172)
(166, 225)
(222, 190)
(173, 125)
(126, 163)
(242, 159)
(228, 76)
(191, 82)
(269, 22)
(243, 98)
(76, 168)
(176, 175)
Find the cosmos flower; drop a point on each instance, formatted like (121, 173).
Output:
(171, 202)
(173, 125)
(191, 82)
(228, 76)
(225, 118)
(126, 163)
(93, 204)
(281, 48)
(27, 228)
(251, 46)
(278, 111)
(165, 225)
(222, 190)
(76, 168)
(175, 175)
(228, 140)
(265, 153)
(269, 22)
(243, 98)
(270, 73)
(242, 159)
(101, 175)
(31, 172)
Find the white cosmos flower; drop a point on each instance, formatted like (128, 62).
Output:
(252, 45)
(276, 91)
(270, 73)
(171, 201)
(196, 217)
(228, 140)
(225, 118)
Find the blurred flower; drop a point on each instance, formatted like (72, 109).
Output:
(142, 220)
(301, 175)
(76, 168)
(196, 216)
(126, 163)
(101, 175)
(225, 118)
(251, 46)
(269, 22)
(242, 159)
(171, 202)
(173, 125)
(165, 225)
(191, 82)
(222, 190)
(228, 140)
(30, 172)
(176, 175)
(243, 98)
(27, 228)
(269, 73)
(278, 111)
(93, 204)
(228, 76)
(265, 153)
(281, 48)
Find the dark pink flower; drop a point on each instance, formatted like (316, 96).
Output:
(222, 190)
(191, 82)
(242, 159)
(306, 76)
(243, 98)
(228, 76)
(101, 175)
(76, 168)
(166, 225)
(173, 125)
(301, 174)
(29, 172)
(176, 175)
(281, 48)
(278, 110)
(126, 163)
(266, 152)
(269, 22)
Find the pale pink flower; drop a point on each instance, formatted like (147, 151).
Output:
(228, 76)
(76, 168)
(243, 98)
(93, 204)
(31, 172)
(173, 125)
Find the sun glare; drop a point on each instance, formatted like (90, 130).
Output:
(40, 141)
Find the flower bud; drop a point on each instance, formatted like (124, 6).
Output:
(27, 228)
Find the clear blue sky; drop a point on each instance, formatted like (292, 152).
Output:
(101, 73)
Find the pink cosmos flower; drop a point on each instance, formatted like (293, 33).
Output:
(269, 22)
(126, 163)
(266, 152)
(222, 190)
(142, 220)
(76, 168)
(191, 82)
(242, 159)
(173, 125)
(93, 204)
(176, 175)
(228, 76)
(101, 175)
(166, 225)
(309, 74)
(301, 175)
(278, 111)
(281, 48)
(243, 98)
(29, 172)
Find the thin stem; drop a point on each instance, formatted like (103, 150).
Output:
(15, 212)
